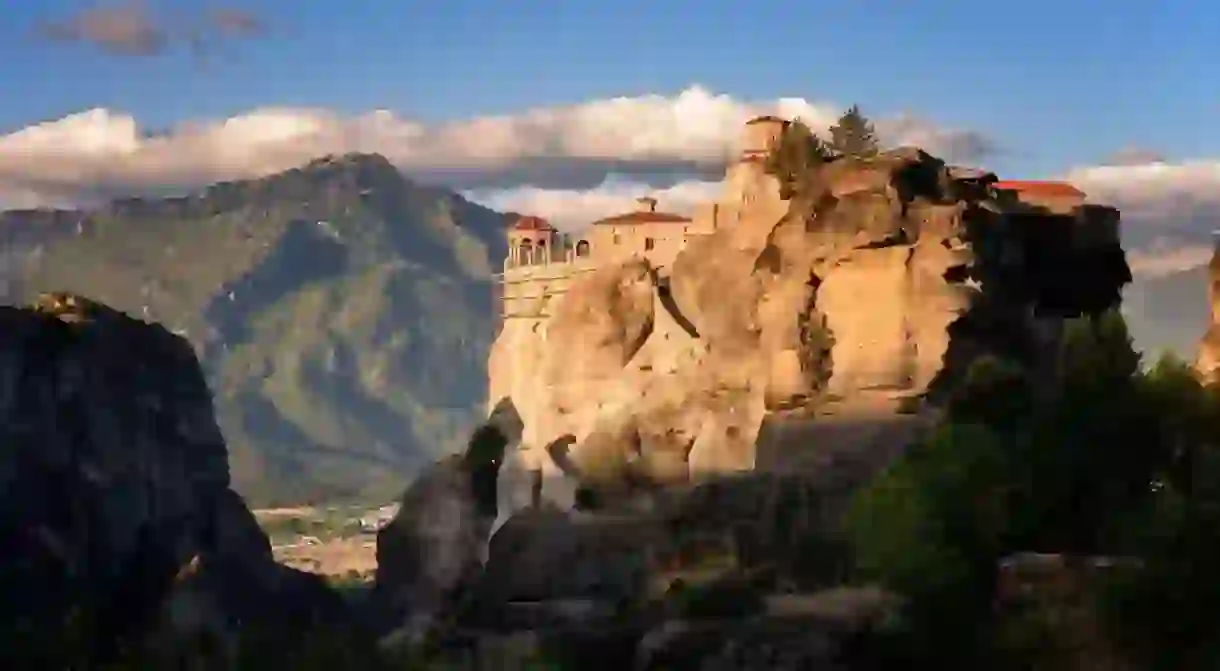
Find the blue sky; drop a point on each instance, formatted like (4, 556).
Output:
(1058, 86)
(1056, 83)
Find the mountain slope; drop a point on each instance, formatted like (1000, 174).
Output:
(343, 313)
(1169, 312)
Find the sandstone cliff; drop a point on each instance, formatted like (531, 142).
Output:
(116, 519)
(1207, 362)
(880, 280)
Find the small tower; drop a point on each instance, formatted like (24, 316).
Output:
(761, 134)
(646, 204)
(531, 241)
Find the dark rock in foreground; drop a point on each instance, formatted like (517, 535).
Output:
(118, 528)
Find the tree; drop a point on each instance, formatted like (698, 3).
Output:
(932, 528)
(798, 152)
(853, 135)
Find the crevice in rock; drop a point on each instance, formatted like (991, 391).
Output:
(898, 239)
(667, 302)
(957, 274)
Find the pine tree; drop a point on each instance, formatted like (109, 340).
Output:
(854, 135)
(797, 152)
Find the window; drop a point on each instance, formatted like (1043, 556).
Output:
(582, 248)
(649, 244)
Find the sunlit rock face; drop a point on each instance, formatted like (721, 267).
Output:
(877, 278)
(1207, 362)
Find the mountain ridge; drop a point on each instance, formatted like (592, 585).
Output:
(342, 311)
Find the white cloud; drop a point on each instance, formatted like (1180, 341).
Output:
(570, 209)
(1159, 263)
(1170, 210)
(99, 152)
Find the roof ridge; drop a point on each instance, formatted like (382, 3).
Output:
(653, 217)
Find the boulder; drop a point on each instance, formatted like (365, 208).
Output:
(435, 546)
(551, 555)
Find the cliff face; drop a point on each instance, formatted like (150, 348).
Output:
(115, 483)
(880, 280)
(1207, 362)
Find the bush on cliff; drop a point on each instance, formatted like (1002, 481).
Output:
(1166, 613)
(932, 528)
(796, 154)
(1017, 468)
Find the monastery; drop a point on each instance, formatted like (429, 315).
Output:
(542, 261)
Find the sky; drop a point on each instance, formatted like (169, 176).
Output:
(569, 109)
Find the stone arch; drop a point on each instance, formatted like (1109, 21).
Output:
(582, 248)
(526, 251)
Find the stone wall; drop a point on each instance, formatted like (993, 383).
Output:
(615, 243)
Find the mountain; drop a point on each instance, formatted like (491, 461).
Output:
(343, 313)
(1168, 312)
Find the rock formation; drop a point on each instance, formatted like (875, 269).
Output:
(877, 282)
(1207, 362)
(116, 504)
(436, 543)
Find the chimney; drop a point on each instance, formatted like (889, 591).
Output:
(647, 204)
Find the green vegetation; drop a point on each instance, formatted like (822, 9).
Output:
(343, 315)
(853, 135)
(1113, 460)
(797, 153)
(796, 156)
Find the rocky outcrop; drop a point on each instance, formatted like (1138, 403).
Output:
(1207, 361)
(434, 547)
(880, 280)
(116, 490)
(735, 573)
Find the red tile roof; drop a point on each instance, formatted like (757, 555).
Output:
(1046, 189)
(766, 118)
(631, 218)
(530, 223)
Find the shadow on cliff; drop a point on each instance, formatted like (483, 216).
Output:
(117, 512)
(1060, 266)
(667, 302)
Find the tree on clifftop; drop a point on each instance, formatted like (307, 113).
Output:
(853, 135)
(797, 152)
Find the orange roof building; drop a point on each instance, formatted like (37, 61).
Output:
(534, 224)
(633, 218)
(1039, 188)
(767, 118)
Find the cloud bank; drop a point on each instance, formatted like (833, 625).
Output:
(572, 163)
(544, 155)
(1170, 210)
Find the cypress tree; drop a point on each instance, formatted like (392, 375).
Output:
(853, 135)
